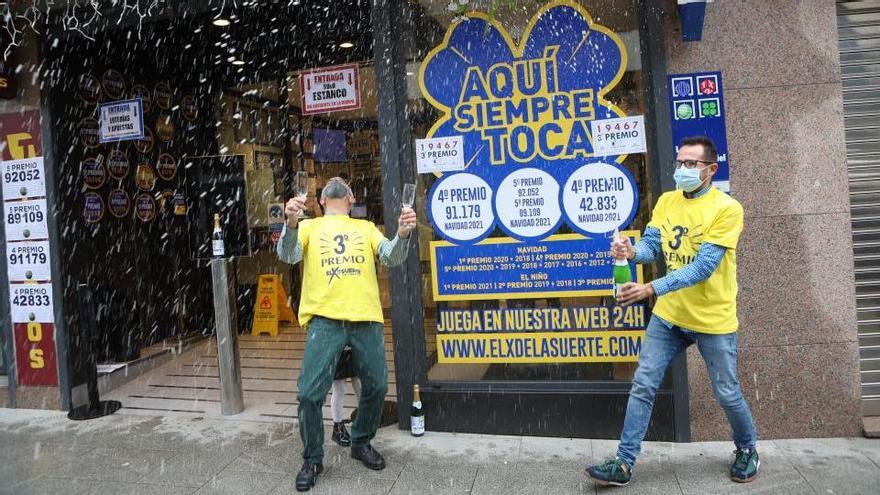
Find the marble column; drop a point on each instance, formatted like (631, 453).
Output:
(798, 348)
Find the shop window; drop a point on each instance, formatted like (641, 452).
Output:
(612, 38)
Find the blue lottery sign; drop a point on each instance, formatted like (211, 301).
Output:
(697, 109)
(523, 111)
(566, 265)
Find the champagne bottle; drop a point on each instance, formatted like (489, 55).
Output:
(217, 248)
(622, 273)
(417, 414)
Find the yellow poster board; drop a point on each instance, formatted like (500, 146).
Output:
(271, 306)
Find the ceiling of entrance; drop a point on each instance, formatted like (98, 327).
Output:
(269, 39)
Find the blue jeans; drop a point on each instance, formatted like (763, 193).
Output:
(663, 342)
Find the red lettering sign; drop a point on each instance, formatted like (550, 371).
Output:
(330, 89)
(21, 132)
(35, 354)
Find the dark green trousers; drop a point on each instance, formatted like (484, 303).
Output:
(324, 342)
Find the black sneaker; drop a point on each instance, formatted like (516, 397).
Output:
(369, 457)
(340, 435)
(305, 480)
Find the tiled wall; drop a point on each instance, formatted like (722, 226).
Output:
(798, 350)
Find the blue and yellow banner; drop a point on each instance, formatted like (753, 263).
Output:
(542, 347)
(526, 105)
(523, 111)
(579, 334)
(564, 265)
(562, 319)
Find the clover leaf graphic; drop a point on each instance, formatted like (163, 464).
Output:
(479, 78)
(710, 108)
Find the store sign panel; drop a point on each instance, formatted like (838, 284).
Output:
(330, 89)
(619, 136)
(581, 334)
(121, 121)
(21, 132)
(28, 251)
(24, 178)
(33, 323)
(25, 220)
(697, 109)
(524, 114)
(541, 347)
(31, 302)
(442, 154)
(527, 105)
(502, 268)
(35, 354)
(528, 113)
(28, 261)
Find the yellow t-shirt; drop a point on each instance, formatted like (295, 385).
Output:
(685, 224)
(339, 269)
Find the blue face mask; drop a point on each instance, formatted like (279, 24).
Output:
(687, 179)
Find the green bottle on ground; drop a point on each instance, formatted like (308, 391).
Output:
(622, 273)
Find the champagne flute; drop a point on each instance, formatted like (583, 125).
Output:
(409, 197)
(302, 189)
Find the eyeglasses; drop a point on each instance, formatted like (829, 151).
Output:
(690, 163)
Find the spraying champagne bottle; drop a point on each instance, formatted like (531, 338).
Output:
(622, 273)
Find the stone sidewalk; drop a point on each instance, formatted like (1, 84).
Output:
(41, 452)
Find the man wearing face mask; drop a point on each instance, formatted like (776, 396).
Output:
(695, 228)
(340, 306)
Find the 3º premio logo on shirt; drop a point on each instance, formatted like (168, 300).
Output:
(343, 255)
(680, 244)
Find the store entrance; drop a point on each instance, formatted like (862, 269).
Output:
(133, 225)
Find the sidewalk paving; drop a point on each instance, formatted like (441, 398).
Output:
(42, 452)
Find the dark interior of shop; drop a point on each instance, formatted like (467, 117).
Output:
(139, 260)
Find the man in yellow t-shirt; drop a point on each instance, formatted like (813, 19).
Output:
(340, 306)
(695, 229)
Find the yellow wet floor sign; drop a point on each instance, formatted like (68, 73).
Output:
(271, 306)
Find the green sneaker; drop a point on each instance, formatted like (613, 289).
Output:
(745, 465)
(612, 472)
